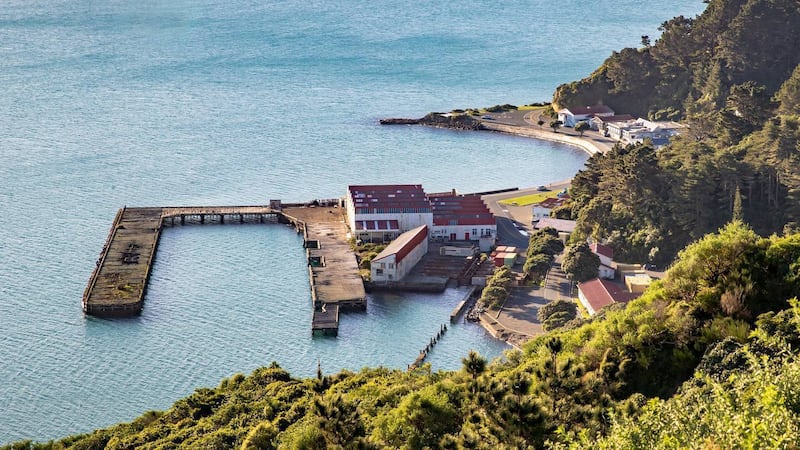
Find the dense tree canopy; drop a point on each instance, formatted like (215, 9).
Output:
(732, 43)
(580, 263)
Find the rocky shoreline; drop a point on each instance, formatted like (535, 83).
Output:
(439, 120)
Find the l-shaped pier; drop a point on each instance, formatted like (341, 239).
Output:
(118, 283)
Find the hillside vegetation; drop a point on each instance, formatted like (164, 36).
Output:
(638, 376)
(706, 358)
(732, 75)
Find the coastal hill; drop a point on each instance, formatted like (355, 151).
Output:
(732, 76)
(706, 357)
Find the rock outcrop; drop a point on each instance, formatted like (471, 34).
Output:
(439, 120)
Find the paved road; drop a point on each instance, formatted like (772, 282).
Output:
(557, 285)
(520, 311)
(527, 120)
(508, 234)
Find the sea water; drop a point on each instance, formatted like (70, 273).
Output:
(154, 103)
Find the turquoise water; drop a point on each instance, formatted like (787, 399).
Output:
(146, 103)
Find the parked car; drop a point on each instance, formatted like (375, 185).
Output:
(542, 188)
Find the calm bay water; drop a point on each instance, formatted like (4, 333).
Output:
(111, 103)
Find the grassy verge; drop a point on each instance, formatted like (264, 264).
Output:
(530, 199)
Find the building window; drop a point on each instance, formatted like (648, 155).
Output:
(391, 265)
(378, 271)
(383, 266)
(474, 231)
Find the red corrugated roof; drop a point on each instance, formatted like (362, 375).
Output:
(404, 243)
(600, 293)
(444, 221)
(388, 196)
(553, 202)
(601, 249)
(461, 210)
(594, 109)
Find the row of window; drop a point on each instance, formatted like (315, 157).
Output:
(483, 232)
(363, 210)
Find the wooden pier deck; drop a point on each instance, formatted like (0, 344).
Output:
(118, 283)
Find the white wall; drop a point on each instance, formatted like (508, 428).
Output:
(540, 212)
(396, 271)
(475, 231)
(604, 259)
(606, 272)
(406, 221)
(351, 212)
(585, 303)
(387, 267)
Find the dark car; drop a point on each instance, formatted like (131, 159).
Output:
(542, 188)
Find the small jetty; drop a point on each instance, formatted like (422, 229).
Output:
(462, 305)
(118, 283)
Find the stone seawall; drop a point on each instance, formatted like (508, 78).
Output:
(585, 144)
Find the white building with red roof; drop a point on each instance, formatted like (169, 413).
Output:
(546, 206)
(605, 252)
(597, 293)
(462, 218)
(571, 116)
(399, 257)
(608, 268)
(382, 212)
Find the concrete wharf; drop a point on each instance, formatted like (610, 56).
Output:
(332, 266)
(118, 284)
